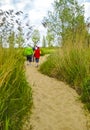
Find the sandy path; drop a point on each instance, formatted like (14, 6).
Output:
(56, 105)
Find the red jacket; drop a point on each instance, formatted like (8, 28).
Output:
(37, 53)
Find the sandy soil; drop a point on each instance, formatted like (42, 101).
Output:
(56, 105)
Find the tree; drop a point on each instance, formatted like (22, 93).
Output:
(35, 36)
(20, 39)
(50, 39)
(66, 20)
(44, 42)
(10, 39)
(11, 22)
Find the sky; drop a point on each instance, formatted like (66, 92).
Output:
(37, 9)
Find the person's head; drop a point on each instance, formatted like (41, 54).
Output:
(37, 47)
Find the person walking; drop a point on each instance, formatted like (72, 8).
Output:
(37, 53)
(33, 54)
(28, 53)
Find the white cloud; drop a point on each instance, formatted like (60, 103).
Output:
(19, 6)
(87, 9)
(37, 9)
(6, 7)
(3, 2)
(86, 4)
(35, 14)
(43, 4)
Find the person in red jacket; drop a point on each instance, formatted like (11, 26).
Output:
(37, 55)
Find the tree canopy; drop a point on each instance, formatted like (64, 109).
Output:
(66, 21)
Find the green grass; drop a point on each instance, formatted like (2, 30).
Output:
(15, 92)
(71, 65)
(48, 50)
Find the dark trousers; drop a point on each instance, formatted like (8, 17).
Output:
(29, 58)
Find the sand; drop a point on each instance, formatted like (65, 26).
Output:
(56, 105)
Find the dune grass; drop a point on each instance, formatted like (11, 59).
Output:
(15, 93)
(71, 65)
(48, 50)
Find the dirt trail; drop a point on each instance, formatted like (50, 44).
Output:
(56, 105)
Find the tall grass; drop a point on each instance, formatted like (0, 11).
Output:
(47, 50)
(71, 65)
(15, 93)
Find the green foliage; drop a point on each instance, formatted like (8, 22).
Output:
(11, 39)
(50, 39)
(20, 39)
(35, 36)
(15, 93)
(44, 42)
(66, 21)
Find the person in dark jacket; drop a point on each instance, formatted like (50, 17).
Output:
(28, 53)
(33, 58)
